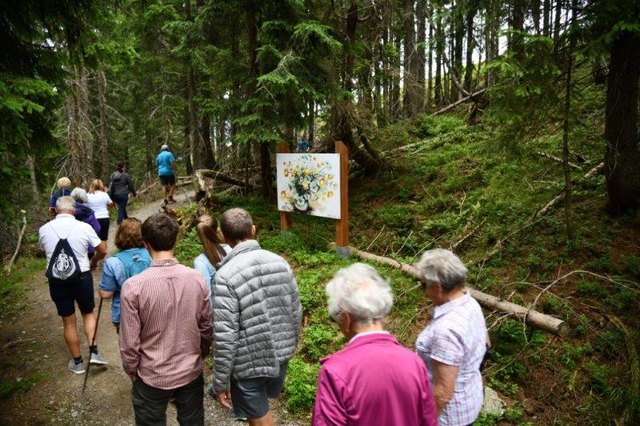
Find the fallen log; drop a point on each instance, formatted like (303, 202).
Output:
(456, 103)
(531, 317)
(212, 174)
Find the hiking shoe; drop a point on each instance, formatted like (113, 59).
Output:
(76, 368)
(96, 358)
(237, 417)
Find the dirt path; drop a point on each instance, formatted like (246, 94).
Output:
(33, 350)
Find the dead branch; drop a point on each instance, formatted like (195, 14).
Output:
(531, 317)
(557, 159)
(458, 102)
(213, 174)
(597, 169)
(15, 254)
(473, 231)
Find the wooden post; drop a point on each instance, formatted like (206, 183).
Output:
(285, 217)
(342, 225)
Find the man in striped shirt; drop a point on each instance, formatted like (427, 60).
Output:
(165, 330)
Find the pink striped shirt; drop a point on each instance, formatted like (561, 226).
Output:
(165, 325)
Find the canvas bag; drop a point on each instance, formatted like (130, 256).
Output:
(63, 265)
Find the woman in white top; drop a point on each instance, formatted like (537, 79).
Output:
(99, 201)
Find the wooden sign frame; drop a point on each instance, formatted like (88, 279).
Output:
(342, 224)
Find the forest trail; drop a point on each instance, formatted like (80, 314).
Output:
(33, 350)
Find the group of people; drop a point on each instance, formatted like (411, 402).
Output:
(242, 302)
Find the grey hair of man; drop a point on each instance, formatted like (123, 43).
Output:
(236, 225)
(359, 290)
(80, 195)
(65, 204)
(444, 267)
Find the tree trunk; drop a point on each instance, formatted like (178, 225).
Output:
(311, 123)
(622, 159)
(458, 44)
(410, 99)
(429, 96)
(516, 40)
(556, 28)
(421, 40)
(341, 111)
(472, 8)
(565, 137)
(103, 126)
(546, 18)
(439, 32)
(31, 165)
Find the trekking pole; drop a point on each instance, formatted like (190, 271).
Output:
(93, 342)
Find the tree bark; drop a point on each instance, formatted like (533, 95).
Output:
(411, 98)
(472, 8)
(622, 159)
(103, 125)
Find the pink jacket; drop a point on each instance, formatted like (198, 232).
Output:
(372, 381)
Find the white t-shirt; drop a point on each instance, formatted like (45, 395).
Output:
(79, 235)
(98, 202)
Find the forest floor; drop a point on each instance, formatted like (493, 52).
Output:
(33, 352)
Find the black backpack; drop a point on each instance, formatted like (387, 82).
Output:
(64, 265)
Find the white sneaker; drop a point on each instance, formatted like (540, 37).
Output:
(96, 358)
(76, 368)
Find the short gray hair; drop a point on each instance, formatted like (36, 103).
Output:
(80, 195)
(444, 267)
(359, 290)
(66, 204)
(236, 225)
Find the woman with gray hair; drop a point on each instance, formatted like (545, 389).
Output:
(373, 380)
(454, 343)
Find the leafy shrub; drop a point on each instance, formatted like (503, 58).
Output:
(188, 248)
(300, 384)
(282, 243)
(633, 265)
(311, 289)
(397, 216)
(431, 126)
(317, 341)
(590, 289)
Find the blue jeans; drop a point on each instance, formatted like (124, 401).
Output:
(121, 200)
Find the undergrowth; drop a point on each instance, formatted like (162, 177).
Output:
(455, 187)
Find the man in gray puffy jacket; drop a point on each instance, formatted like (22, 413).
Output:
(256, 318)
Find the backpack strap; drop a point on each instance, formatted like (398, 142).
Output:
(58, 235)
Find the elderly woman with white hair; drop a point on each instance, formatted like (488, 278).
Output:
(373, 380)
(455, 341)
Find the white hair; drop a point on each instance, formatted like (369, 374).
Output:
(360, 291)
(66, 204)
(444, 267)
(80, 195)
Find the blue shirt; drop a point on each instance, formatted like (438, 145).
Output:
(113, 277)
(202, 265)
(164, 160)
